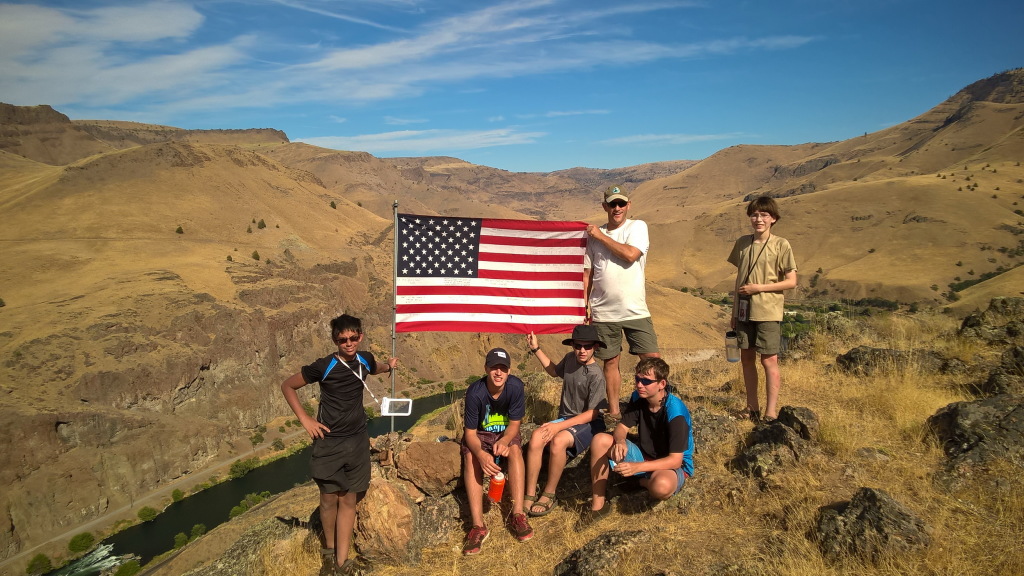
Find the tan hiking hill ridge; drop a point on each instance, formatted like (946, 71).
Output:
(159, 283)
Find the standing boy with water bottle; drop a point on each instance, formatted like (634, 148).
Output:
(495, 407)
(765, 267)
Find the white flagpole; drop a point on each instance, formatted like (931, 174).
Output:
(394, 303)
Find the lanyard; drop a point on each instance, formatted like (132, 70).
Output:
(750, 268)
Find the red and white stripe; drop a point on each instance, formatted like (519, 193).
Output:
(530, 278)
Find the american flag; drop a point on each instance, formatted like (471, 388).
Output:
(489, 275)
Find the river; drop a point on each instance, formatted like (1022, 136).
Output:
(212, 506)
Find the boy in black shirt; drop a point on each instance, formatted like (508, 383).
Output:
(340, 463)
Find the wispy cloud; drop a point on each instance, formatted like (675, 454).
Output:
(425, 141)
(158, 56)
(393, 121)
(663, 139)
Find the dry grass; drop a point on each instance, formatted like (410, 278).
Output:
(872, 434)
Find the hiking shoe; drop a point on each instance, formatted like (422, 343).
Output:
(327, 562)
(591, 516)
(474, 540)
(521, 528)
(349, 568)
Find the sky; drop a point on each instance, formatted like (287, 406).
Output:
(521, 85)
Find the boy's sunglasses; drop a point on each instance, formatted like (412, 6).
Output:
(618, 203)
(343, 340)
(578, 346)
(645, 381)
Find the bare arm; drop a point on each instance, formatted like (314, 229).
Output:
(671, 462)
(545, 362)
(787, 283)
(289, 387)
(391, 364)
(485, 459)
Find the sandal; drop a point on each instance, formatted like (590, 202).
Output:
(546, 506)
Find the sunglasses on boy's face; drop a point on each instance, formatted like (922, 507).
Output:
(582, 346)
(645, 381)
(343, 340)
(618, 203)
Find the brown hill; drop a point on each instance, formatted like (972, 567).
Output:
(136, 354)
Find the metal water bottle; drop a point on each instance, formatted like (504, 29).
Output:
(732, 347)
(496, 487)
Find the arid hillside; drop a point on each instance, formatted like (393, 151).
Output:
(157, 284)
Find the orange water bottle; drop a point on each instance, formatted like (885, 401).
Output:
(496, 487)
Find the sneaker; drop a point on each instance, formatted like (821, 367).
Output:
(521, 528)
(591, 516)
(474, 540)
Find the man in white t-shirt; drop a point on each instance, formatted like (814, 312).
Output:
(613, 279)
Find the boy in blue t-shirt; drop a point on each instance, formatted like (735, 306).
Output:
(495, 407)
(662, 457)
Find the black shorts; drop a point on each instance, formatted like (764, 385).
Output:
(341, 464)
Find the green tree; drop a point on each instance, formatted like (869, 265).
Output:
(129, 568)
(236, 511)
(333, 205)
(198, 530)
(278, 444)
(255, 255)
(180, 539)
(177, 495)
(147, 513)
(230, 259)
(256, 439)
(81, 542)
(39, 564)
(261, 225)
(248, 229)
(179, 230)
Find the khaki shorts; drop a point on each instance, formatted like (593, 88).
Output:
(765, 336)
(639, 334)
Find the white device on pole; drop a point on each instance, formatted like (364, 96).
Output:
(395, 406)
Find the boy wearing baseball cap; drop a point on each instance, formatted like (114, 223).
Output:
(495, 407)
(579, 416)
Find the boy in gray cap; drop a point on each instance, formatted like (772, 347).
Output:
(495, 407)
(579, 416)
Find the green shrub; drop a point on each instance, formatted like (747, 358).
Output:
(147, 513)
(278, 444)
(177, 495)
(179, 230)
(198, 530)
(255, 255)
(180, 539)
(81, 542)
(308, 408)
(333, 205)
(236, 511)
(261, 225)
(230, 259)
(129, 568)
(39, 564)
(240, 468)
(248, 229)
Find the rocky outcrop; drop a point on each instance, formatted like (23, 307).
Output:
(1007, 377)
(434, 467)
(777, 444)
(1001, 323)
(601, 555)
(978, 432)
(871, 525)
(867, 361)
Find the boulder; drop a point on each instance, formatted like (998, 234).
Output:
(386, 526)
(976, 432)
(1001, 323)
(1007, 377)
(866, 361)
(599, 556)
(434, 467)
(778, 443)
(871, 525)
